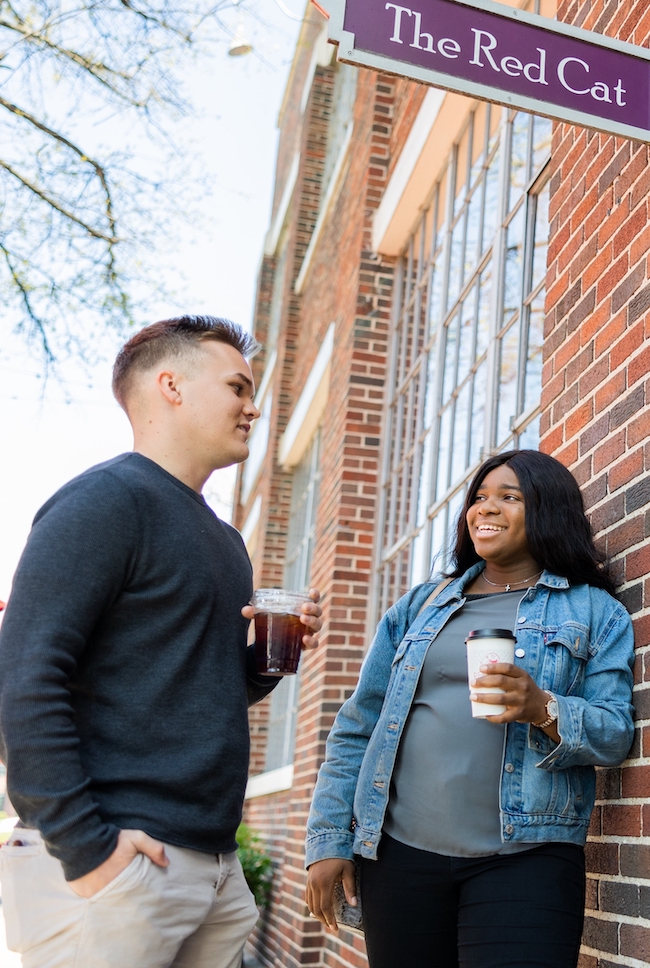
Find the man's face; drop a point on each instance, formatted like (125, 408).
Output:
(218, 406)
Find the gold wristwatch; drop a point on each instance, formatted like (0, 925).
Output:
(551, 711)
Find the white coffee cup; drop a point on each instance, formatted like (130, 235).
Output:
(483, 647)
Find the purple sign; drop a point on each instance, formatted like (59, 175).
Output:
(488, 54)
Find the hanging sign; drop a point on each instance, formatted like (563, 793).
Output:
(500, 54)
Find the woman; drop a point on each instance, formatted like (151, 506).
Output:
(470, 832)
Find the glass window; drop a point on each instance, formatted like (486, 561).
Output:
(300, 549)
(468, 365)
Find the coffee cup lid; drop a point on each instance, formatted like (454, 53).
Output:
(491, 634)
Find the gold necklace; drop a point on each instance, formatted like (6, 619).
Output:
(507, 585)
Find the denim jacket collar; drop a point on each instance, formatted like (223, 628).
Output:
(454, 592)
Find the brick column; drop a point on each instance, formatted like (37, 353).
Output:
(596, 419)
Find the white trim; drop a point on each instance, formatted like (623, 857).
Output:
(321, 57)
(271, 782)
(273, 234)
(324, 209)
(266, 379)
(252, 520)
(255, 459)
(310, 406)
(408, 159)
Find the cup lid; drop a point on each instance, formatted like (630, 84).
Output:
(268, 597)
(491, 634)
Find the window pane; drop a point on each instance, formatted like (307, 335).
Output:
(461, 433)
(495, 121)
(472, 253)
(518, 157)
(529, 440)
(477, 425)
(442, 210)
(541, 238)
(514, 265)
(420, 565)
(542, 136)
(449, 381)
(443, 454)
(455, 506)
(466, 344)
(438, 535)
(533, 377)
(478, 141)
(508, 382)
(484, 309)
(456, 262)
(461, 170)
(491, 216)
(435, 300)
(424, 491)
(430, 403)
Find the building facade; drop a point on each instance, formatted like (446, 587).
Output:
(442, 279)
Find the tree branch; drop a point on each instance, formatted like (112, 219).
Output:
(95, 68)
(22, 288)
(99, 170)
(111, 239)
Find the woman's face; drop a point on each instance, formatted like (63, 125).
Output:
(497, 519)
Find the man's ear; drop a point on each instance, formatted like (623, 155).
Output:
(167, 383)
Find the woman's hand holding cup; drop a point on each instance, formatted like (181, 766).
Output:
(525, 701)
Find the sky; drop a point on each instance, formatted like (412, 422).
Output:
(52, 430)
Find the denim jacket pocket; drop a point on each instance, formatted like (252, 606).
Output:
(566, 651)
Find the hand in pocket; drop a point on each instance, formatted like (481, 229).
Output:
(130, 843)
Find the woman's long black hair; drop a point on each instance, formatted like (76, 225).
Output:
(558, 532)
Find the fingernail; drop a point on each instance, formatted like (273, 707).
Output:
(473, 696)
(484, 668)
(353, 901)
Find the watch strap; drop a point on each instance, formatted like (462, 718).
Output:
(551, 719)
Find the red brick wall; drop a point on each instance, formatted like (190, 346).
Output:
(596, 419)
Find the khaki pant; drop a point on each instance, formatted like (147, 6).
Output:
(195, 913)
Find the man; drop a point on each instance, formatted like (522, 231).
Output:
(126, 680)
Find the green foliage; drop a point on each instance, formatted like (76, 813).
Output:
(257, 864)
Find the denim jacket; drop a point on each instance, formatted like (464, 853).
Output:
(577, 643)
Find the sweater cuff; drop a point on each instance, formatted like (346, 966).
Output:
(79, 855)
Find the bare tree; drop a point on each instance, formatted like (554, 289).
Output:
(70, 209)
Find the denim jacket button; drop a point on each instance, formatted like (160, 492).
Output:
(509, 828)
(368, 843)
(509, 768)
(522, 618)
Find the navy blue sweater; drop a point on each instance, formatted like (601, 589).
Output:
(124, 673)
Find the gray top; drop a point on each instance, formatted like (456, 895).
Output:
(445, 790)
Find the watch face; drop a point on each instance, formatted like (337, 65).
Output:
(552, 708)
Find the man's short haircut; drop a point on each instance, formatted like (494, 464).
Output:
(174, 337)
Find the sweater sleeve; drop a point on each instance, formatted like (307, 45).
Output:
(258, 686)
(78, 558)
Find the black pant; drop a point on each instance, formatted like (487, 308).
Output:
(423, 910)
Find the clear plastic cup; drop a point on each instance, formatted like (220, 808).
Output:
(278, 630)
(483, 647)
